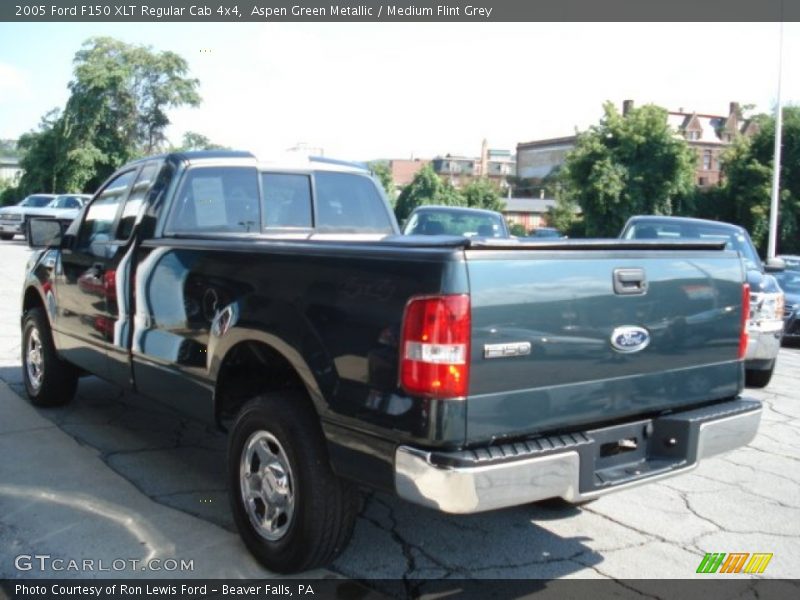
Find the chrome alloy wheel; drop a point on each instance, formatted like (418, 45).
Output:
(267, 485)
(34, 362)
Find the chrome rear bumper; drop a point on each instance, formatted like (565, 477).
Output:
(479, 480)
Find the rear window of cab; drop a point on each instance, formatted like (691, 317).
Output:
(244, 200)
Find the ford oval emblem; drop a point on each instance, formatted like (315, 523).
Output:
(630, 339)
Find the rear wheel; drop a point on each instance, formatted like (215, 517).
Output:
(292, 512)
(759, 378)
(49, 381)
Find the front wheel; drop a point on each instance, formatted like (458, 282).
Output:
(6, 237)
(292, 512)
(49, 381)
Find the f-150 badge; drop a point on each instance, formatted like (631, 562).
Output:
(629, 339)
(506, 350)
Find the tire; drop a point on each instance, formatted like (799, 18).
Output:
(760, 378)
(6, 237)
(313, 511)
(49, 381)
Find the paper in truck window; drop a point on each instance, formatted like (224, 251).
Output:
(209, 201)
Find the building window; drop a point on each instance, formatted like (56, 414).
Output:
(701, 181)
(693, 135)
(707, 160)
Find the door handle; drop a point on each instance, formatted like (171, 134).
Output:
(630, 281)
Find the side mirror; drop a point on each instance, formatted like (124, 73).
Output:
(774, 265)
(44, 233)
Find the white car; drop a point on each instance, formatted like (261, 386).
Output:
(13, 217)
(63, 207)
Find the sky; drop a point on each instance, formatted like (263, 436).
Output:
(363, 91)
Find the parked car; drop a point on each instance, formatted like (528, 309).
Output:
(789, 280)
(456, 220)
(463, 374)
(64, 208)
(792, 261)
(765, 325)
(546, 232)
(12, 218)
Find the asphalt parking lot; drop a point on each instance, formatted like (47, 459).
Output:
(115, 476)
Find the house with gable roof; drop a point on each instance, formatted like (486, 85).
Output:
(707, 134)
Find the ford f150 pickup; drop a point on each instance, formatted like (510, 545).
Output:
(462, 374)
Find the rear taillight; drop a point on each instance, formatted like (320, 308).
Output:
(434, 347)
(745, 319)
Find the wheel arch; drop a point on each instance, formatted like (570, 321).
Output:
(32, 298)
(249, 362)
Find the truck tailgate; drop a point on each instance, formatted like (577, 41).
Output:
(600, 349)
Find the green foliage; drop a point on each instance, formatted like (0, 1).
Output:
(426, 188)
(563, 215)
(627, 165)
(383, 172)
(196, 141)
(40, 150)
(482, 193)
(517, 229)
(9, 193)
(116, 111)
(747, 166)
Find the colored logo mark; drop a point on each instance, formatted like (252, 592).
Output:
(734, 562)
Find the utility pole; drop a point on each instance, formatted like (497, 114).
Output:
(776, 162)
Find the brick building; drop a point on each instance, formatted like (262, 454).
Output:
(496, 165)
(707, 134)
(403, 170)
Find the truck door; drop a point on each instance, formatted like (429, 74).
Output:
(85, 281)
(94, 288)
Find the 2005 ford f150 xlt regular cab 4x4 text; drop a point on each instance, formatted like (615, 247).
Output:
(462, 374)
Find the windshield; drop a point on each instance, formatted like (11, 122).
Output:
(36, 201)
(452, 222)
(546, 233)
(66, 202)
(734, 238)
(789, 281)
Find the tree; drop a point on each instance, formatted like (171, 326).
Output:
(383, 172)
(517, 229)
(626, 165)
(563, 215)
(196, 141)
(482, 193)
(426, 188)
(117, 110)
(747, 167)
(41, 160)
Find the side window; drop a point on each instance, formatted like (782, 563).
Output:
(96, 227)
(287, 200)
(135, 200)
(349, 203)
(217, 199)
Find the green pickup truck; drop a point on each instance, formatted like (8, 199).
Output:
(462, 374)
